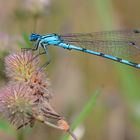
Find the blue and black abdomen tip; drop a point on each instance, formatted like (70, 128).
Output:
(34, 37)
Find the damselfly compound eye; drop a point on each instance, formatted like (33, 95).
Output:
(34, 37)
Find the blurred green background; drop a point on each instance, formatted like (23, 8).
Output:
(75, 76)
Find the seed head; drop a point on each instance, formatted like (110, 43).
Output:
(21, 66)
(17, 104)
(23, 100)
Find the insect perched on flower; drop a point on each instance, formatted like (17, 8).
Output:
(108, 44)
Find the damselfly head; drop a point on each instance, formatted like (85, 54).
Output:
(34, 37)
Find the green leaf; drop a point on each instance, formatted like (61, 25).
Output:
(84, 113)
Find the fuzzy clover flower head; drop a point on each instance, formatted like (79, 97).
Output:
(21, 66)
(17, 104)
(24, 67)
(23, 100)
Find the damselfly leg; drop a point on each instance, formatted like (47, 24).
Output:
(45, 47)
(36, 46)
(41, 53)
